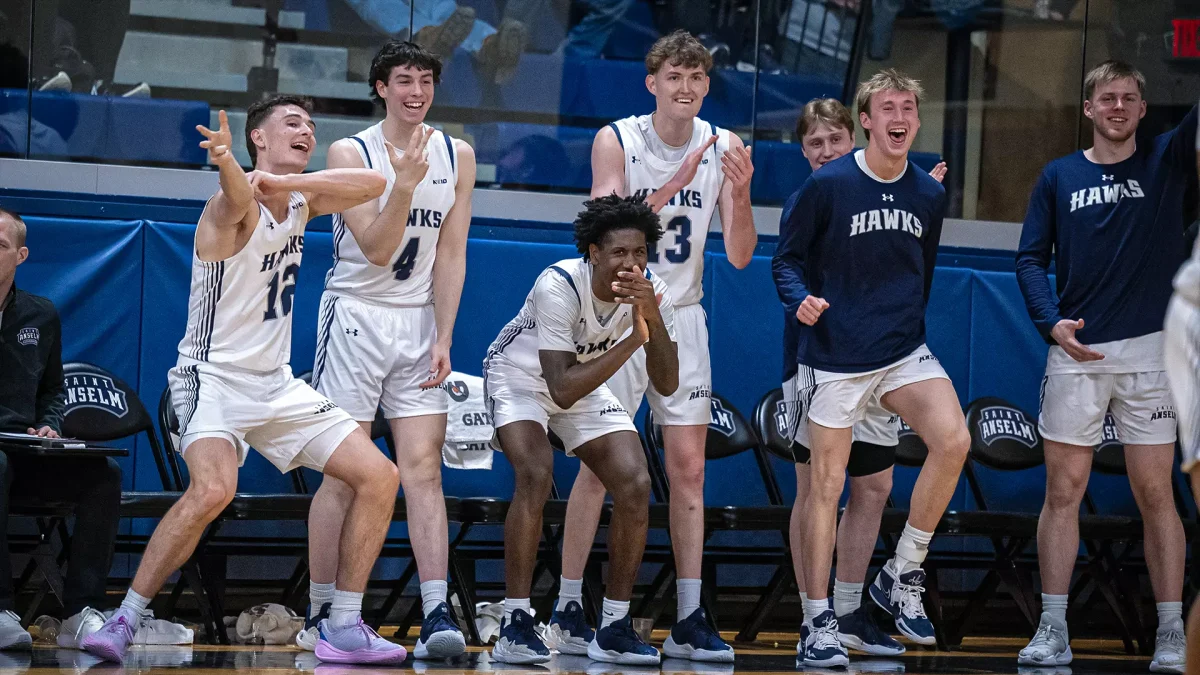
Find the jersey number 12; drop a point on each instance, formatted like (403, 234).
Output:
(283, 298)
(682, 250)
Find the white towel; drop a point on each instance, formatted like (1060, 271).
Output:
(468, 424)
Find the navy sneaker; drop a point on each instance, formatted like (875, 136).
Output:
(694, 639)
(901, 597)
(822, 649)
(306, 639)
(857, 630)
(569, 632)
(440, 636)
(518, 642)
(618, 643)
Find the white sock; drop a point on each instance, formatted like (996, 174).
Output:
(569, 590)
(511, 604)
(814, 608)
(847, 597)
(803, 596)
(911, 551)
(433, 593)
(1055, 606)
(135, 603)
(687, 598)
(318, 595)
(1169, 613)
(614, 610)
(346, 608)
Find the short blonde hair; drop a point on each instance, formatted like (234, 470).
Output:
(1111, 71)
(18, 225)
(886, 79)
(819, 111)
(679, 48)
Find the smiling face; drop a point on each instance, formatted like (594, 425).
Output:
(1115, 108)
(824, 143)
(678, 90)
(285, 140)
(618, 251)
(407, 94)
(892, 123)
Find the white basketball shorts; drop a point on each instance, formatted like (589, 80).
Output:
(370, 357)
(690, 404)
(281, 417)
(879, 426)
(1182, 358)
(842, 400)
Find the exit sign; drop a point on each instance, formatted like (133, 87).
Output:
(1184, 44)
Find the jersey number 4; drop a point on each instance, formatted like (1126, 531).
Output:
(682, 250)
(284, 298)
(403, 266)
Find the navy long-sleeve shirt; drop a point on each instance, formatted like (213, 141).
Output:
(1116, 234)
(868, 248)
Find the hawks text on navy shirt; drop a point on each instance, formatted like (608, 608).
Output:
(1116, 235)
(868, 248)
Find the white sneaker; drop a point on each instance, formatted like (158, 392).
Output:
(306, 639)
(1170, 649)
(60, 82)
(12, 635)
(1050, 645)
(140, 91)
(76, 628)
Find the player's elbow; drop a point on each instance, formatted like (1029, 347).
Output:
(561, 398)
(377, 257)
(374, 184)
(741, 259)
(667, 384)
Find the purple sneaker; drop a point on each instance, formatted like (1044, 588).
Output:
(356, 643)
(112, 640)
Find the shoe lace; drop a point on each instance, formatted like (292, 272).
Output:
(910, 600)
(825, 637)
(1171, 639)
(1044, 637)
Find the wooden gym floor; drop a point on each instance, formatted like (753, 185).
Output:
(773, 654)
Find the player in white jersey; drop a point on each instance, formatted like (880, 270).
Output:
(1181, 357)
(232, 387)
(387, 319)
(686, 169)
(547, 370)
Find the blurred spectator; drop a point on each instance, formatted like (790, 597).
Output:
(818, 36)
(441, 26)
(17, 132)
(587, 38)
(32, 401)
(76, 43)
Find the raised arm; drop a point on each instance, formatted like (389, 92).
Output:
(1182, 149)
(328, 191)
(608, 164)
(450, 265)
(233, 206)
(379, 232)
(737, 216)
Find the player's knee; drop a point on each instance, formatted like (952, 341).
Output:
(826, 486)
(687, 474)
(952, 443)
(1065, 492)
(633, 487)
(535, 479)
(1157, 502)
(206, 499)
(872, 491)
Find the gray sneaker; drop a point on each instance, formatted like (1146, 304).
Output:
(1170, 649)
(12, 635)
(1050, 645)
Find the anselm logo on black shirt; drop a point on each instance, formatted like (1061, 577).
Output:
(998, 422)
(95, 391)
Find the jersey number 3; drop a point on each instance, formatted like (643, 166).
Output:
(682, 250)
(403, 266)
(285, 298)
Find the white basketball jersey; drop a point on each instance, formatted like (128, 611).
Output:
(679, 256)
(407, 279)
(240, 308)
(571, 280)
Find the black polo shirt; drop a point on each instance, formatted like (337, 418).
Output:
(32, 393)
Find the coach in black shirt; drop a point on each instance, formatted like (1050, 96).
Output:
(32, 401)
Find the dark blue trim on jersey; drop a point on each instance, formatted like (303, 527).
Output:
(366, 154)
(323, 345)
(450, 149)
(191, 390)
(507, 336)
(214, 275)
(618, 133)
(571, 281)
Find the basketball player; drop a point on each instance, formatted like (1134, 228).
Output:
(854, 265)
(826, 132)
(549, 368)
(232, 387)
(387, 318)
(686, 169)
(1111, 217)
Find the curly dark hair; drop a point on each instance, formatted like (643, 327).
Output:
(259, 111)
(605, 214)
(397, 53)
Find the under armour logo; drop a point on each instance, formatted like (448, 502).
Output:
(889, 198)
(634, 160)
(352, 331)
(1105, 176)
